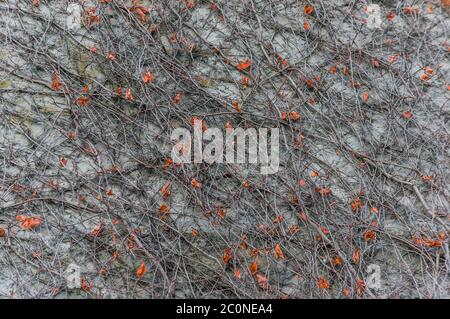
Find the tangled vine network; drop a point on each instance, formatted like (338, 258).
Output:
(90, 92)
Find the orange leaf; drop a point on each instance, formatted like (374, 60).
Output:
(27, 222)
(392, 58)
(365, 96)
(167, 163)
(221, 212)
(56, 84)
(97, 231)
(245, 81)
(195, 183)
(82, 101)
(346, 70)
(356, 204)
(346, 292)
(332, 69)
(262, 280)
(391, 15)
(428, 70)
(71, 135)
(278, 252)
(314, 174)
(165, 190)
(306, 26)
(148, 77)
(294, 116)
(322, 283)
(369, 235)
(85, 285)
(190, 4)
(141, 270)
(323, 191)
(336, 261)
(62, 161)
(237, 107)
(141, 11)
(308, 9)
(2, 232)
(176, 99)
(243, 65)
(254, 267)
(129, 95)
(407, 115)
(227, 255)
(163, 208)
(410, 10)
(294, 229)
(356, 255)
(324, 230)
(111, 56)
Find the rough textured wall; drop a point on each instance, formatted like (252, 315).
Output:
(90, 92)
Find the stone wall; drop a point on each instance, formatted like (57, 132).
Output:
(85, 142)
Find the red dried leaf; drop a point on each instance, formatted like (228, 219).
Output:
(369, 235)
(63, 161)
(308, 9)
(141, 270)
(163, 208)
(243, 65)
(129, 95)
(56, 83)
(195, 183)
(323, 191)
(322, 283)
(28, 222)
(356, 255)
(82, 101)
(254, 267)
(365, 97)
(227, 255)
(148, 77)
(278, 252)
(407, 115)
(177, 99)
(356, 204)
(165, 190)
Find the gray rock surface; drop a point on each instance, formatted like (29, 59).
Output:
(372, 150)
